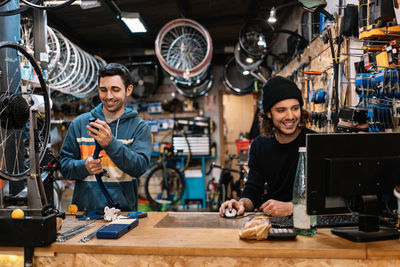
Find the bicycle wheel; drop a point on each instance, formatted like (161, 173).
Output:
(33, 4)
(17, 9)
(184, 48)
(221, 193)
(19, 95)
(166, 190)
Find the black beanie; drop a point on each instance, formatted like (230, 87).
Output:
(278, 89)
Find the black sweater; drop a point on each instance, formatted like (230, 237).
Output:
(272, 169)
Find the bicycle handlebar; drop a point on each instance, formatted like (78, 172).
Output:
(213, 165)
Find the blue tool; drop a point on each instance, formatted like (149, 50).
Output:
(137, 214)
(91, 215)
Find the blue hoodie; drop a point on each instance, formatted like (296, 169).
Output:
(125, 159)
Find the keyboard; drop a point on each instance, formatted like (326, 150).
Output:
(323, 221)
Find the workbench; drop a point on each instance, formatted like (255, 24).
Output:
(199, 239)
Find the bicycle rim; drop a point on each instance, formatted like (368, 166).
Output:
(17, 10)
(33, 4)
(164, 191)
(15, 102)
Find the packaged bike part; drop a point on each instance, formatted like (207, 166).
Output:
(257, 228)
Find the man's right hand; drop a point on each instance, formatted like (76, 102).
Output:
(230, 204)
(94, 166)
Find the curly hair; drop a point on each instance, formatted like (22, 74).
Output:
(267, 126)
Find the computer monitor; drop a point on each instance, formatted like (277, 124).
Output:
(354, 172)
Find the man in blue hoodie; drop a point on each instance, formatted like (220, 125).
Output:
(124, 137)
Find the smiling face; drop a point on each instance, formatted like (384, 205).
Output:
(285, 116)
(112, 93)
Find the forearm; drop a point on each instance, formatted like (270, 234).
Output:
(247, 204)
(73, 169)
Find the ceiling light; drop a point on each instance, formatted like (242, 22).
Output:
(246, 72)
(272, 18)
(133, 21)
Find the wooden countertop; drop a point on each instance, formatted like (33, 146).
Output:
(146, 239)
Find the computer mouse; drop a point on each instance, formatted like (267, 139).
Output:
(230, 214)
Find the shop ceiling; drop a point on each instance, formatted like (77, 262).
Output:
(97, 29)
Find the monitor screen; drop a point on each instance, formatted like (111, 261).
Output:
(351, 172)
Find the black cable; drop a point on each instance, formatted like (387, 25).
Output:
(335, 76)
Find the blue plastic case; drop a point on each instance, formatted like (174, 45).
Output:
(117, 228)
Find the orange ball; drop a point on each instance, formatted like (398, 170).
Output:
(73, 209)
(17, 214)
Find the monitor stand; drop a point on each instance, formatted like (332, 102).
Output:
(356, 235)
(368, 224)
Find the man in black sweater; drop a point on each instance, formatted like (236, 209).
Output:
(274, 154)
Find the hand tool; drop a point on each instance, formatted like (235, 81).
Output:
(90, 236)
(73, 232)
(137, 214)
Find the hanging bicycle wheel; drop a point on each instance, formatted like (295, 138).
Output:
(256, 37)
(17, 9)
(21, 92)
(3, 2)
(184, 48)
(49, 7)
(164, 189)
(196, 88)
(241, 81)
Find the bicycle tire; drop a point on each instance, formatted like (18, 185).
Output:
(31, 4)
(221, 193)
(17, 10)
(3, 2)
(154, 187)
(180, 33)
(10, 117)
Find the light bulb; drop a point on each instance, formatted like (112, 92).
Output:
(249, 60)
(272, 18)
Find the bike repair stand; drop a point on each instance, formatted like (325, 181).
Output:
(38, 228)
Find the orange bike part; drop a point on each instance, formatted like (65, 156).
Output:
(310, 72)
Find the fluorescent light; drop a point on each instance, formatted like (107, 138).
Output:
(133, 21)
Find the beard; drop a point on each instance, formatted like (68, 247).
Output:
(286, 133)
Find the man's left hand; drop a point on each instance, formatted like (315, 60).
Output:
(275, 208)
(100, 131)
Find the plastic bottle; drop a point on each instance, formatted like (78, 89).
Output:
(303, 223)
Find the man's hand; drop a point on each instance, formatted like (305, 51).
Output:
(232, 204)
(94, 166)
(275, 208)
(100, 131)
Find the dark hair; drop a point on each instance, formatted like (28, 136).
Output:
(267, 126)
(112, 69)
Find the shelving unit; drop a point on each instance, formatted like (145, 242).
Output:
(195, 186)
